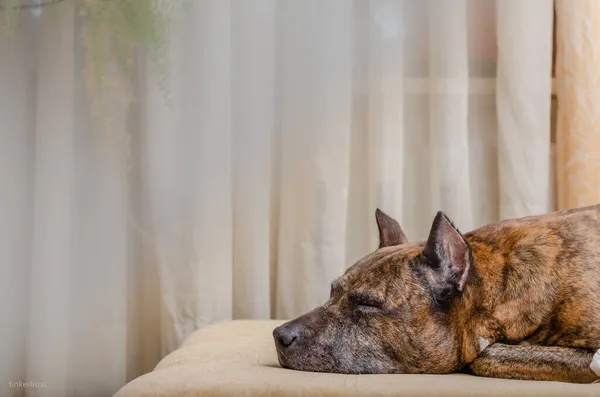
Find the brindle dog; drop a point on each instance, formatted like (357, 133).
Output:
(517, 299)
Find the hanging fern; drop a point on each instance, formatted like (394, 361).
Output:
(112, 33)
(10, 13)
(114, 29)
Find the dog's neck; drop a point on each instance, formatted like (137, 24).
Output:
(476, 322)
(474, 326)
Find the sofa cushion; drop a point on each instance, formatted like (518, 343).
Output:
(238, 359)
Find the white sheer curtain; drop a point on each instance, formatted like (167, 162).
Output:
(290, 121)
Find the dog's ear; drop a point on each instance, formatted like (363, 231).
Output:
(448, 257)
(390, 232)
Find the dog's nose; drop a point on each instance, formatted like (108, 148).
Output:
(285, 335)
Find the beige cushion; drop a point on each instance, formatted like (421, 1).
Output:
(237, 359)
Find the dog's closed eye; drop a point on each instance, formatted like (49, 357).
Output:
(367, 301)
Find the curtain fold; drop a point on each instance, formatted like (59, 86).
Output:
(254, 40)
(16, 176)
(316, 104)
(51, 264)
(384, 83)
(523, 105)
(448, 108)
(253, 183)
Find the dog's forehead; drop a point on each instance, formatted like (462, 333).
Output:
(379, 260)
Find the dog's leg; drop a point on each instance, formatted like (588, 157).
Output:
(533, 362)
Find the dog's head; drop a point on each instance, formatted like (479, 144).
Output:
(389, 312)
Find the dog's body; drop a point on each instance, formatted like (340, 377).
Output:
(515, 299)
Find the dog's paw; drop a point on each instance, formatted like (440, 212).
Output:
(595, 365)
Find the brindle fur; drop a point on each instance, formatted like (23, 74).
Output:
(533, 280)
(562, 364)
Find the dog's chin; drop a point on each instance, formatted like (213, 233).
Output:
(306, 364)
(327, 365)
(324, 365)
(282, 360)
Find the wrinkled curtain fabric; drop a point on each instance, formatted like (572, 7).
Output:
(289, 122)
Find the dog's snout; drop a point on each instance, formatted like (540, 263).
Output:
(285, 335)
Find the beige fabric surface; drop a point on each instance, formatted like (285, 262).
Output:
(238, 359)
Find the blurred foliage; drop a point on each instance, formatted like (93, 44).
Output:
(114, 35)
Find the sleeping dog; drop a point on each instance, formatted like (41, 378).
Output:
(517, 299)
